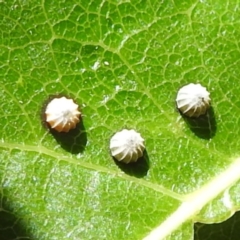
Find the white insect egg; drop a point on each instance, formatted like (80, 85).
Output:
(62, 114)
(127, 146)
(193, 100)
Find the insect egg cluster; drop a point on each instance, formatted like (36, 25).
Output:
(62, 115)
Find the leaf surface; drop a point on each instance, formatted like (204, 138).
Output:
(122, 62)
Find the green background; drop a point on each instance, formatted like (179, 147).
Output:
(122, 62)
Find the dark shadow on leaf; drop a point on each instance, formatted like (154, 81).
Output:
(204, 126)
(137, 169)
(227, 230)
(73, 141)
(11, 227)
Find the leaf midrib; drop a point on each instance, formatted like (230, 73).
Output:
(91, 166)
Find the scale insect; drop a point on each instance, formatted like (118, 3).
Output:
(127, 146)
(193, 100)
(62, 114)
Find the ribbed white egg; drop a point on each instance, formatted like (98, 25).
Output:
(62, 114)
(127, 146)
(193, 100)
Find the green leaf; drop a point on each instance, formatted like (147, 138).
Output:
(122, 62)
